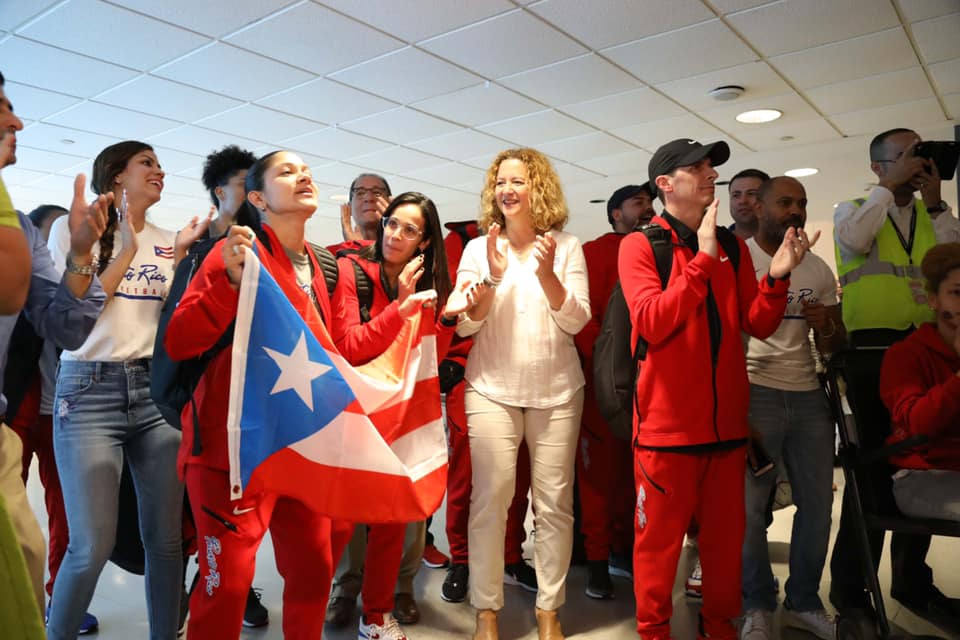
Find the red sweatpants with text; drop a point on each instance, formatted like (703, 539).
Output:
(228, 535)
(459, 478)
(605, 483)
(672, 487)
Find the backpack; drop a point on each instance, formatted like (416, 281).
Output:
(172, 382)
(616, 362)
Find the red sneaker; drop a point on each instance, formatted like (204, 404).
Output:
(434, 558)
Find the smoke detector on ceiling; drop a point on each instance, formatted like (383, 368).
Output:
(726, 92)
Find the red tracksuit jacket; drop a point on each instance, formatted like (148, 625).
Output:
(686, 396)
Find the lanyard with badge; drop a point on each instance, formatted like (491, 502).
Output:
(916, 285)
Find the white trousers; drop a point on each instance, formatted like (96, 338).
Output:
(496, 431)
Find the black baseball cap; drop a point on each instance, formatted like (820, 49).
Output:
(684, 152)
(623, 194)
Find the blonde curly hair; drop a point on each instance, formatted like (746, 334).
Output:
(548, 207)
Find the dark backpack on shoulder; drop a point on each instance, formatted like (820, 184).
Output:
(616, 362)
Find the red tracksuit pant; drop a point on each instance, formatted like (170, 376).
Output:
(381, 568)
(228, 535)
(459, 481)
(36, 432)
(605, 482)
(672, 487)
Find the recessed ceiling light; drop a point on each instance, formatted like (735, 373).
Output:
(597, 201)
(67, 141)
(759, 116)
(802, 172)
(339, 197)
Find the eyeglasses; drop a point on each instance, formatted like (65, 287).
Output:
(407, 231)
(362, 192)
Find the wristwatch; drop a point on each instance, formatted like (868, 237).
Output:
(940, 207)
(81, 269)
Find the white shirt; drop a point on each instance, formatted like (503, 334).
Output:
(856, 227)
(127, 328)
(785, 360)
(523, 353)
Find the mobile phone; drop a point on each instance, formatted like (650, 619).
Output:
(758, 459)
(122, 209)
(943, 153)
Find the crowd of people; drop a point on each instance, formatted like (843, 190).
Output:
(733, 323)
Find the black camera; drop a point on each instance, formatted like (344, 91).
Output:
(943, 153)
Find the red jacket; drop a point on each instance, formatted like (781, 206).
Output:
(601, 256)
(684, 394)
(358, 342)
(920, 387)
(205, 312)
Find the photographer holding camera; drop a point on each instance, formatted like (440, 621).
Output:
(880, 243)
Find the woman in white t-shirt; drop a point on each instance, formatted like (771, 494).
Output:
(103, 411)
(524, 377)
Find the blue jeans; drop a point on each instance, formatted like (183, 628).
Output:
(797, 431)
(103, 412)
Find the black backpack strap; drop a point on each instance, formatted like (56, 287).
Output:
(328, 264)
(364, 291)
(731, 246)
(661, 242)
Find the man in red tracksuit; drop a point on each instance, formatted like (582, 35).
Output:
(454, 587)
(604, 463)
(692, 390)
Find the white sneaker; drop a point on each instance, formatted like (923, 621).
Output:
(389, 630)
(756, 625)
(818, 622)
(694, 584)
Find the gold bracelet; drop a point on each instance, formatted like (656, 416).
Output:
(81, 269)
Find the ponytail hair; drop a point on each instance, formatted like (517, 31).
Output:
(110, 163)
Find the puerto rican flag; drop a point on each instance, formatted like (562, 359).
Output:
(163, 252)
(362, 444)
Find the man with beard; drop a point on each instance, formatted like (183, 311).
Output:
(745, 202)
(791, 419)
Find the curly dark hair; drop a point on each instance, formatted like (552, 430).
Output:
(222, 165)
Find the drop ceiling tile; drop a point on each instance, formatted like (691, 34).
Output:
(537, 128)
(40, 160)
(505, 44)
(414, 20)
(401, 126)
(406, 76)
(259, 123)
(481, 161)
(397, 160)
(792, 25)
(15, 177)
(591, 145)
(912, 115)
(650, 135)
(174, 161)
(682, 53)
(208, 18)
(315, 38)
(854, 58)
(794, 109)
(800, 132)
(335, 143)
(462, 144)
(937, 38)
(339, 173)
(161, 97)
(180, 186)
(33, 103)
(13, 14)
(571, 174)
(866, 93)
(478, 105)
(729, 6)
(633, 162)
(260, 76)
(113, 34)
(326, 101)
(112, 121)
(617, 21)
(916, 10)
(450, 174)
(953, 105)
(57, 70)
(624, 109)
(199, 141)
(758, 79)
(572, 80)
(945, 74)
(43, 135)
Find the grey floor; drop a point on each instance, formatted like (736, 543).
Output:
(119, 598)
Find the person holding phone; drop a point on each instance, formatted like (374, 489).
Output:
(792, 425)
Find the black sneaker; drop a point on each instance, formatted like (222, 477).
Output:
(599, 585)
(520, 574)
(620, 565)
(454, 587)
(255, 614)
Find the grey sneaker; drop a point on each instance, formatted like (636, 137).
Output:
(756, 625)
(817, 622)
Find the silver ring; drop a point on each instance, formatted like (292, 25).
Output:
(236, 250)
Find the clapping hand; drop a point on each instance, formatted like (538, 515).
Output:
(545, 251)
(239, 239)
(463, 298)
(496, 259)
(86, 222)
(409, 277)
(794, 246)
(187, 236)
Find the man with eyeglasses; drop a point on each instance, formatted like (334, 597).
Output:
(744, 201)
(369, 197)
(880, 242)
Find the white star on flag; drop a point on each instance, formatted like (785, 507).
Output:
(297, 371)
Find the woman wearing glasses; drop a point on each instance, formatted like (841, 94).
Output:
(406, 269)
(524, 381)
